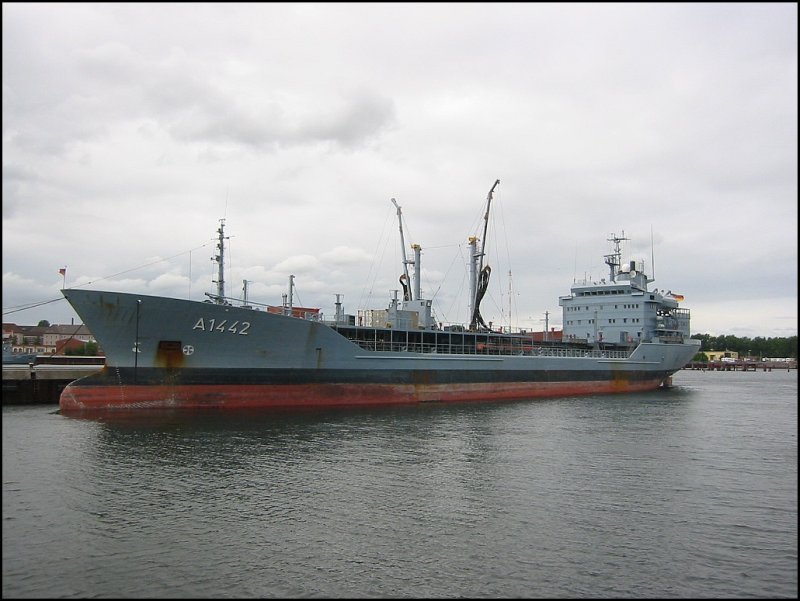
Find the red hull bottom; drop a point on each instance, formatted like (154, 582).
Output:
(77, 398)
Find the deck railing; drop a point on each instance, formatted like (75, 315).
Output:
(488, 349)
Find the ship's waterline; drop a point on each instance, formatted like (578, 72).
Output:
(284, 396)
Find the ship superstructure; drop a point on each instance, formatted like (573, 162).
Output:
(621, 310)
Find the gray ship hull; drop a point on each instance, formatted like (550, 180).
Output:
(172, 353)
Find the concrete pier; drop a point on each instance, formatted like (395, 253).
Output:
(33, 383)
(740, 365)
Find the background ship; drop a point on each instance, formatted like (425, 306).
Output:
(170, 353)
(10, 357)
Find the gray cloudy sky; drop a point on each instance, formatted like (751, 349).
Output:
(129, 130)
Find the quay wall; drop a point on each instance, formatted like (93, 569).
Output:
(33, 384)
(741, 365)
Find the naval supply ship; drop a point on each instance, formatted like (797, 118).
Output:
(617, 336)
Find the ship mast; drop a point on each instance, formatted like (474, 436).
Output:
(614, 259)
(480, 277)
(486, 223)
(404, 278)
(220, 260)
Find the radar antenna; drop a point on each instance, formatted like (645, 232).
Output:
(614, 259)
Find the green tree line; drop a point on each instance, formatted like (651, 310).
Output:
(749, 347)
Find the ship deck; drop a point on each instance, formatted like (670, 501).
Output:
(471, 343)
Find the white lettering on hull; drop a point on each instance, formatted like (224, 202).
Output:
(236, 327)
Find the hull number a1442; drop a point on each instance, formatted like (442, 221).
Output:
(210, 325)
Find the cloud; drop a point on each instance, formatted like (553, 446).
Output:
(298, 263)
(346, 255)
(126, 138)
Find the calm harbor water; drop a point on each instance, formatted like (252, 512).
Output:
(690, 492)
